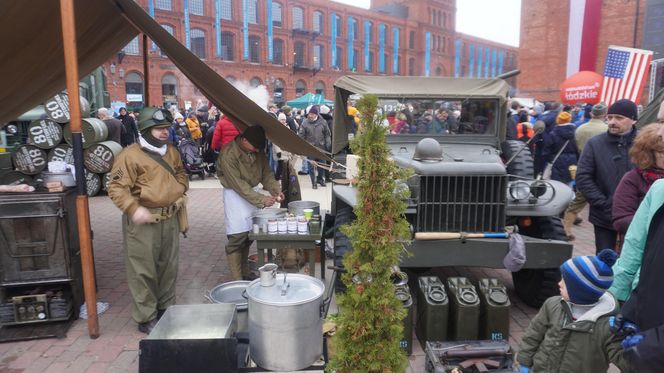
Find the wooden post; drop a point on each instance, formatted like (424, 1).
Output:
(146, 70)
(82, 209)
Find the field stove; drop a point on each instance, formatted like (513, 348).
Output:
(40, 268)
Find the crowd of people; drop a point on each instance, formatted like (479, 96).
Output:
(609, 309)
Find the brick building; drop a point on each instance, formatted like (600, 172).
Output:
(543, 54)
(297, 46)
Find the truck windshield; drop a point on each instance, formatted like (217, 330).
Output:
(409, 116)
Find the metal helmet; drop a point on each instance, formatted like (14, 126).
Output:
(428, 149)
(153, 117)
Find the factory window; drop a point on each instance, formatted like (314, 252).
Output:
(318, 22)
(354, 27)
(198, 42)
(411, 66)
(369, 35)
(252, 11)
(411, 40)
(133, 84)
(298, 18)
(227, 9)
(371, 62)
(254, 49)
(170, 30)
(231, 79)
(298, 54)
(169, 85)
(132, 48)
(318, 56)
(338, 21)
(340, 53)
(320, 88)
(164, 4)
(255, 82)
(356, 56)
(227, 46)
(278, 52)
(276, 15)
(300, 88)
(196, 7)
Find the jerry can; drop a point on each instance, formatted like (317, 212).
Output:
(464, 309)
(494, 310)
(432, 310)
(403, 294)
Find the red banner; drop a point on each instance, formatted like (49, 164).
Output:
(584, 86)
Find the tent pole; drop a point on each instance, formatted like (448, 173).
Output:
(146, 70)
(82, 208)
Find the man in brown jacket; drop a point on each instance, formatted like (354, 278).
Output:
(241, 166)
(147, 183)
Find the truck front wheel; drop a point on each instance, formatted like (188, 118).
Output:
(534, 286)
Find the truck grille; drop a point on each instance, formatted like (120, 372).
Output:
(471, 204)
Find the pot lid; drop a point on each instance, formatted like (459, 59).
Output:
(300, 289)
(230, 292)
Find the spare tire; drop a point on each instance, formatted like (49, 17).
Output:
(522, 165)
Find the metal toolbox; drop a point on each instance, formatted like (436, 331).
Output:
(192, 338)
(469, 357)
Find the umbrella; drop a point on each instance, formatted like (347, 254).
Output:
(584, 86)
(309, 99)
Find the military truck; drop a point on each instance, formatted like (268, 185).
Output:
(464, 193)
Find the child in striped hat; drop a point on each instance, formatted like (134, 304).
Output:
(570, 333)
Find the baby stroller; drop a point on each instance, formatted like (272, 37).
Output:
(191, 158)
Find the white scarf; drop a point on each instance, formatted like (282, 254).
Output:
(146, 145)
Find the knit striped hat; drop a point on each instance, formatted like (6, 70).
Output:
(588, 277)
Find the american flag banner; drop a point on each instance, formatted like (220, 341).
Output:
(625, 74)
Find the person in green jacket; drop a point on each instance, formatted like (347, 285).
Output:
(571, 333)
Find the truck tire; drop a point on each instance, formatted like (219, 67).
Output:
(342, 244)
(523, 164)
(534, 286)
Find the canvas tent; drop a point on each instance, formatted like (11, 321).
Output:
(309, 99)
(406, 86)
(32, 65)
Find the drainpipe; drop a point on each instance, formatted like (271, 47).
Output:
(636, 23)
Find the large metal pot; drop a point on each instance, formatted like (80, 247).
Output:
(297, 207)
(231, 292)
(261, 217)
(285, 322)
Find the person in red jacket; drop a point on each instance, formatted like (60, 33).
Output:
(224, 132)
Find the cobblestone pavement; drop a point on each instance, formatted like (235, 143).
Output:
(202, 266)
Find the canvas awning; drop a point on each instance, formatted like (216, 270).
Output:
(32, 64)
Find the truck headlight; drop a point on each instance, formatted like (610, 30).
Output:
(519, 190)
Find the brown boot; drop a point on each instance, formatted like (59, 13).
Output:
(235, 265)
(568, 221)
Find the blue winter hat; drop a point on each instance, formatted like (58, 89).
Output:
(588, 277)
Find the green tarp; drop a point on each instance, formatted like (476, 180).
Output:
(309, 99)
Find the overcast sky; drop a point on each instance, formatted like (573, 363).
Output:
(496, 20)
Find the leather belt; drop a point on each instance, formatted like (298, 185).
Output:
(163, 213)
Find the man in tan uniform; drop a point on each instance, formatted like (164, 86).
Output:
(241, 166)
(147, 183)
(585, 132)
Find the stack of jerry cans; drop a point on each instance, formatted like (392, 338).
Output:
(432, 310)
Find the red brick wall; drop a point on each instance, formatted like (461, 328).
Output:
(543, 47)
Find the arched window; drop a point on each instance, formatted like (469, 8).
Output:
(227, 46)
(439, 71)
(411, 66)
(300, 88)
(254, 49)
(278, 52)
(198, 42)
(169, 87)
(231, 79)
(276, 15)
(252, 11)
(338, 18)
(318, 22)
(298, 18)
(255, 82)
(134, 87)
(170, 30)
(278, 92)
(354, 27)
(132, 48)
(369, 35)
(298, 54)
(196, 7)
(320, 88)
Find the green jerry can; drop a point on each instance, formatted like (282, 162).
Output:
(464, 309)
(432, 310)
(403, 294)
(494, 310)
